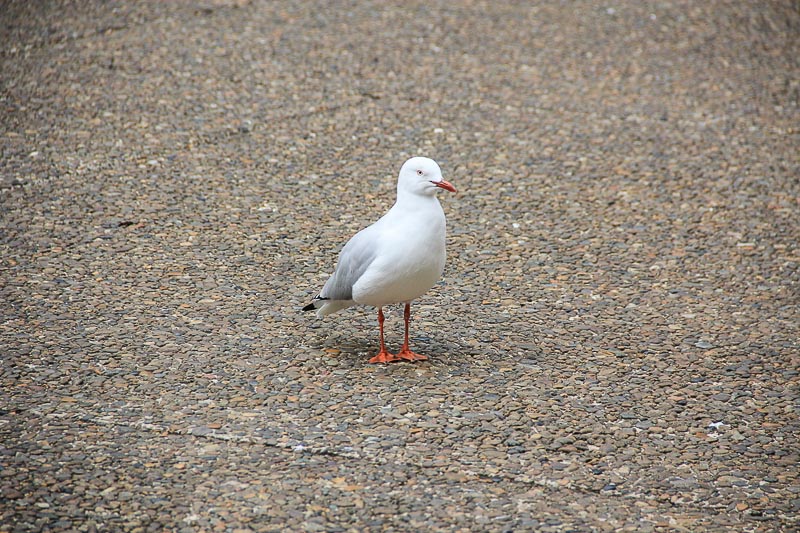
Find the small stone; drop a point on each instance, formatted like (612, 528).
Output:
(11, 493)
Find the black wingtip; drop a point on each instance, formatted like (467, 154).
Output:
(312, 306)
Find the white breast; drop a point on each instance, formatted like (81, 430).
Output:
(411, 259)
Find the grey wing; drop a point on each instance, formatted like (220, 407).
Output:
(354, 259)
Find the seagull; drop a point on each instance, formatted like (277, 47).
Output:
(395, 260)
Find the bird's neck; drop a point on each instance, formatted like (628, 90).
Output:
(412, 200)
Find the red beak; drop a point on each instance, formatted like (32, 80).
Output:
(446, 185)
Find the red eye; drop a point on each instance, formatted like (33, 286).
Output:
(419, 173)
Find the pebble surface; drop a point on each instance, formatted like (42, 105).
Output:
(614, 344)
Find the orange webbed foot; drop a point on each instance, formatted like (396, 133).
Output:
(408, 355)
(384, 357)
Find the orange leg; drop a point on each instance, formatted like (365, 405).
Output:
(405, 352)
(383, 356)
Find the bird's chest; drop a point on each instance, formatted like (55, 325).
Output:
(421, 244)
(410, 263)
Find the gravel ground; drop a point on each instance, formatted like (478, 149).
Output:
(614, 345)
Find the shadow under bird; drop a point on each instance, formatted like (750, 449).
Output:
(395, 260)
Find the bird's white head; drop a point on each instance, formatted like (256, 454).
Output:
(420, 175)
